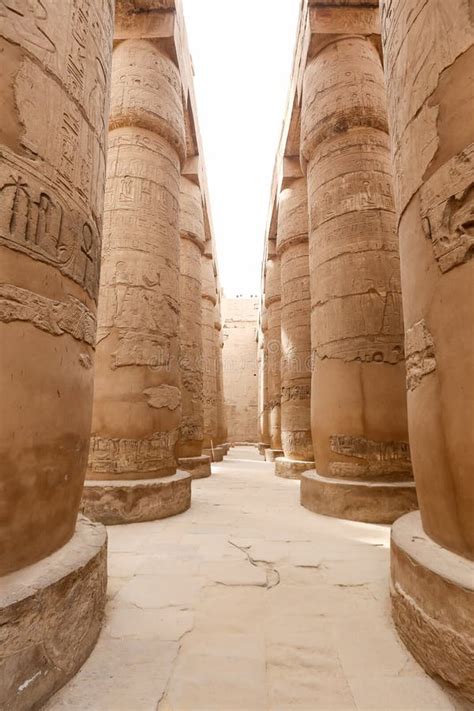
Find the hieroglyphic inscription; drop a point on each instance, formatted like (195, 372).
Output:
(47, 229)
(383, 460)
(421, 356)
(119, 456)
(296, 392)
(55, 317)
(27, 19)
(163, 396)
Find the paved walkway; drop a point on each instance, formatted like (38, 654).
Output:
(249, 602)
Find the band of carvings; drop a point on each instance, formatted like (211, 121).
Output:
(56, 317)
(119, 456)
(388, 460)
(356, 348)
(296, 392)
(44, 228)
(421, 357)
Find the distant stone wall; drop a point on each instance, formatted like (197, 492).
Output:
(240, 368)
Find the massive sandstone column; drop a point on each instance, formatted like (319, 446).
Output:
(189, 448)
(359, 422)
(54, 84)
(218, 450)
(273, 350)
(292, 247)
(137, 404)
(431, 106)
(264, 428)
(208, 303)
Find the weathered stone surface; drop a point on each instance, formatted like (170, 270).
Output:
(369, 502)
(208, 303)
(273, 347)
(221, 413)
(240, 368)
(50, 617)
(216, 454)
(272, 454)
(291, 468)
(190, 326)
(198, 467)
(292, 246)
(52, 173)
(433, 603)
(137, 401)
(359, 420)
(117, 502)
(431, 103)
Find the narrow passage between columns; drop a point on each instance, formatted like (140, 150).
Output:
(248, 601)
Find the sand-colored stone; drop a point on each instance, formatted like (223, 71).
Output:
(239, 355)
(263, 412)
(358, 404)
(137, 400)
(215, 454)
(198, 467)
(433, 603)
(359, 500)
(292, 246)
(190, 327)
(218, 347)
(136, 500)
(291, 468)
(273, 346)
(50, 617)
(208, 303)
(430, 110)
(272, 454)
(52, 173)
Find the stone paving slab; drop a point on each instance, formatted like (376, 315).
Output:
(249, 602)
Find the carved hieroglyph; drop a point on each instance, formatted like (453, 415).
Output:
(429, 59)
(52, 173)
(137, 403)
(208, 303)
(292, 245)
(358, 381)
(273, 346)
(190, 328)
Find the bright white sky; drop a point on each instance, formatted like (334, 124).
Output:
(242, 55)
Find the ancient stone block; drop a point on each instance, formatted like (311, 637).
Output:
(273, 347)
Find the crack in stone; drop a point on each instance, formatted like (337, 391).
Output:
(273, 575)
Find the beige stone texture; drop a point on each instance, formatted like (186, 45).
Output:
(273, 346)
(249, 602)
(366, 501)
(272, 454)
(433, 604)
(429, 71)
(359, 419)
(216, 454)
(198, 467)
(291, 468)
(52, 173)
(240, 368)
(136, 500)
(51, 614)
(190, 326)
(292, 246)
(208, 303)
(221, 414)
(264, 419)
(137, 401)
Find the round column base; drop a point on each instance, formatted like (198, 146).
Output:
(368, 502)
(198, 467)
(262, 447)
(433, 604)
(136, 500)
(272, 454)
(216, 454)
(291, 468)
(51, 614)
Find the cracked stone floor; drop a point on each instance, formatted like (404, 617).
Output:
(249, 602)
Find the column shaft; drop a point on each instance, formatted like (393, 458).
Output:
(273, 308)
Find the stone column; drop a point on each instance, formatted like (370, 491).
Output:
(54, 84)
(221, 407)
(358, 419)
(137, 404)
(292, 246)
(431, 107)
(273, 349)
(208, 303)
(218, 449)
(264, 429)
(189, 448)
